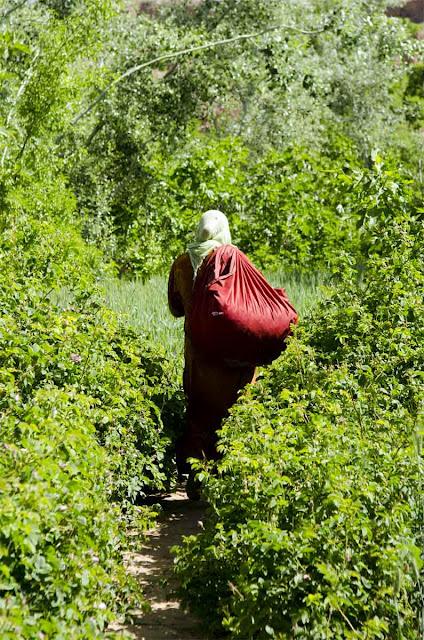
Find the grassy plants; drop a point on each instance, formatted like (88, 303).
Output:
(144, 307)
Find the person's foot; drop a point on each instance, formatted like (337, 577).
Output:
(193, 487)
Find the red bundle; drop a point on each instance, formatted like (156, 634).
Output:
(237, 317)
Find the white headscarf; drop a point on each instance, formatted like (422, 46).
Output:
(212, 232)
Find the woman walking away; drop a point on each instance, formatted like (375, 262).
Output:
(211, 387)
(234, 320)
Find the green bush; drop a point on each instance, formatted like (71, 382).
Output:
(296, 210)
(61, 541)
(315, 528)
(83, 401)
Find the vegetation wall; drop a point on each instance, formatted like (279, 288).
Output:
(303, 122)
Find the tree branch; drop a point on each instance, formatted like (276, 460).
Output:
(6, 14)
(182, 52)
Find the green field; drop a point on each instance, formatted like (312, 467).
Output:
(143, 305)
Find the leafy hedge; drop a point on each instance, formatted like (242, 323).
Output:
(60, 543)
(82, 399)
(316, 507)
(82, 403)
(295, 209)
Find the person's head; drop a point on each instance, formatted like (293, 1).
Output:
(213, 225)
(212, 232)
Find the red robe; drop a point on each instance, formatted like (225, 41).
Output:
(211, 389)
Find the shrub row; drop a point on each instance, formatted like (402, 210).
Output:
(315, 528)
(82, 403)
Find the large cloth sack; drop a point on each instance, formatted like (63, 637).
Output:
(237, 317)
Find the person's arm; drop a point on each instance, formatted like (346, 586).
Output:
(175, 302)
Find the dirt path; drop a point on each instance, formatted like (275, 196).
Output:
(153, 567)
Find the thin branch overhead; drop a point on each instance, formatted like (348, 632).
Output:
(183, 52)
(12, 9)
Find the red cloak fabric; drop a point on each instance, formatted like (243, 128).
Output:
(211, 387)
(236, 316)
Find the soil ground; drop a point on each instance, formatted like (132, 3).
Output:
(152, 565)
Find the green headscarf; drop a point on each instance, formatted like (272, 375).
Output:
(212, 232)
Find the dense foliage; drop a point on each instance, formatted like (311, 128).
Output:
(333, 80)
(146, 148)
(107, 156)
(316, 528)
(82, 406)
(82, 399)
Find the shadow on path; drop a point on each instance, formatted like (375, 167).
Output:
(152, 566)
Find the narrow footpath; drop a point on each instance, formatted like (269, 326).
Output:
(152, 566)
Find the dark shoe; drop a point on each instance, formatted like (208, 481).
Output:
(193, 487)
